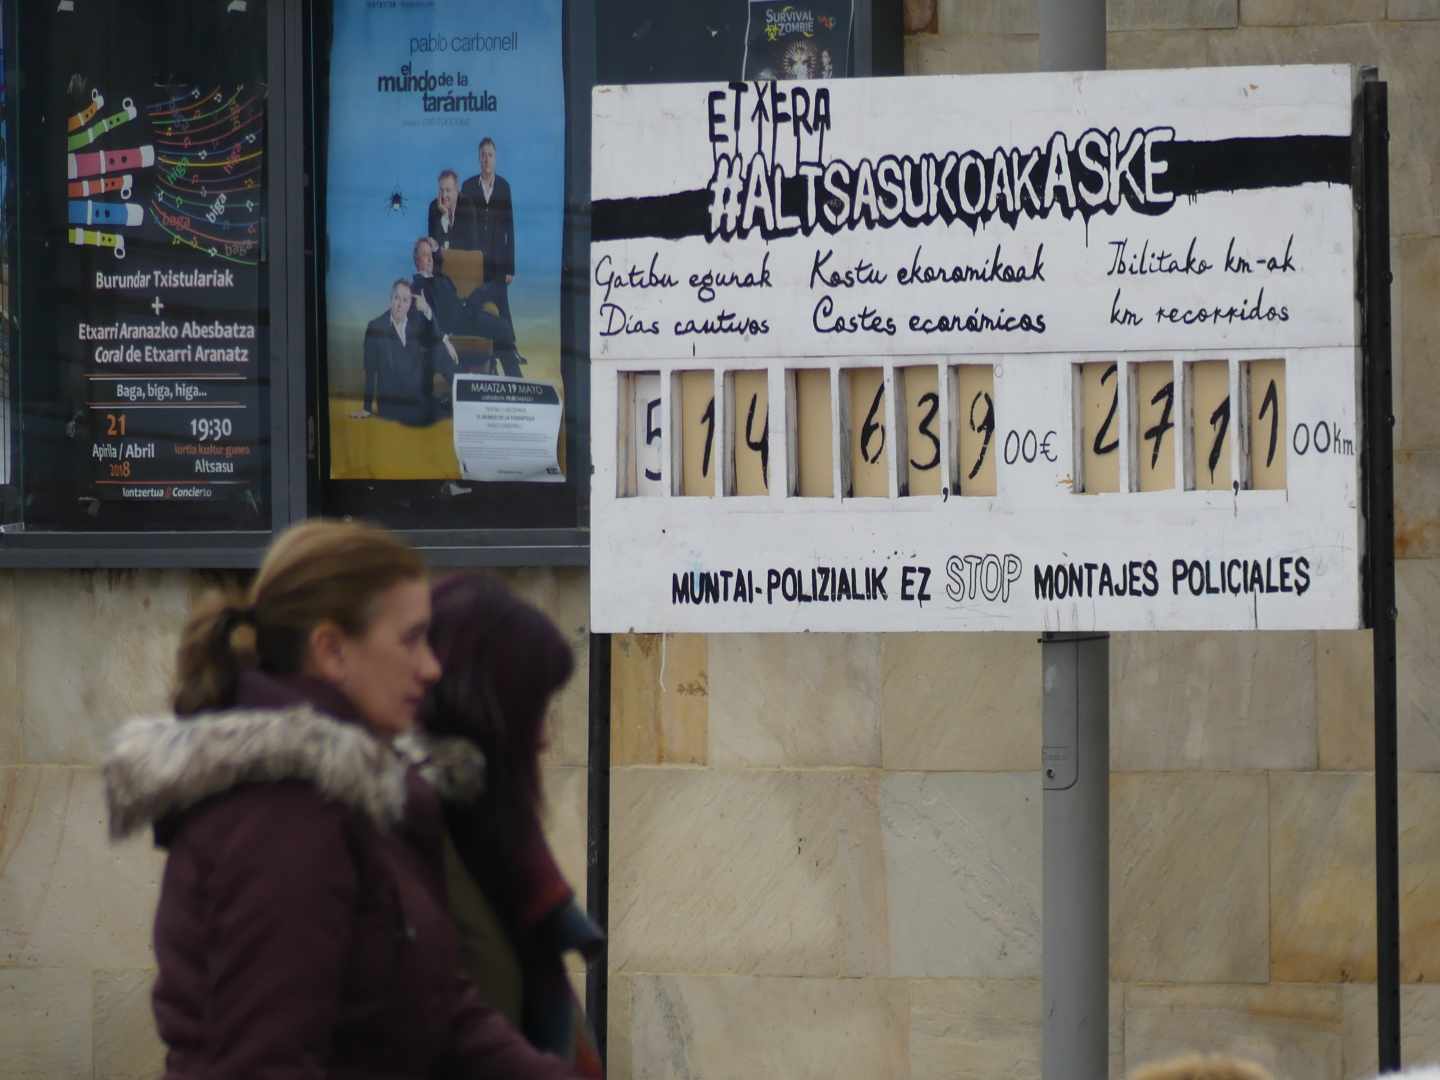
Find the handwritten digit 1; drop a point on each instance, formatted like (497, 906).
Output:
(1271, 403)
(1220, 420)
(708, 419)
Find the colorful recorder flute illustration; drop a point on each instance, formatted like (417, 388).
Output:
(99, 162)
(94, 238)
(84, 138)
(80, 189)
(85, 212)
(85, 115)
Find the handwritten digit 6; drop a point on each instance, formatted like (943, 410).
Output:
(871, 425)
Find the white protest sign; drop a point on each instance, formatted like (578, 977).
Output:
(998, 352)
(506, 428)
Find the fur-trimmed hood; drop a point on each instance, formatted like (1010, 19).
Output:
(158, 766)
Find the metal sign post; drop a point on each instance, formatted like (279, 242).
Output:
(1380, 554)
(1075, 776)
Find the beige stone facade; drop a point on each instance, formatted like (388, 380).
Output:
(826, 849)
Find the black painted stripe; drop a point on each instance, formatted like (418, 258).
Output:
(1198, 168)
(1195, 168)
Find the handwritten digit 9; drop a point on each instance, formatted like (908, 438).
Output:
(985, 427)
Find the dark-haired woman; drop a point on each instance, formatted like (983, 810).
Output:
(302, 930)
(502, 660)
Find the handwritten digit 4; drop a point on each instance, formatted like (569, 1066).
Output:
(762, 447)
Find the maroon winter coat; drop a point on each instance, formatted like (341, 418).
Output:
(302, 930)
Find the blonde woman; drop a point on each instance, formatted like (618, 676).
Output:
(302, 928)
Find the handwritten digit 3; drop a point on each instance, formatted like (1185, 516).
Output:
(931, 399)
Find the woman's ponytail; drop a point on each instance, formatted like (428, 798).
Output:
(218, 642)
(318, 571)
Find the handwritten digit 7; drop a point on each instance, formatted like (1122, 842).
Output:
(1164, 424)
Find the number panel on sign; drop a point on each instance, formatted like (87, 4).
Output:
(1153, 412)
(697, 433)
(864, 390)
(1208, 419)
(641, 431)
(1267, 433)
(919, 388)
(1099, 427)
(812, 443)
(750, 431)
(972, 408)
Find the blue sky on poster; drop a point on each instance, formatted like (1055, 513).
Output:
(383, 142)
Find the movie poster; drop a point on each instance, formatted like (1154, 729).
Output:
(444, 224)
(142, 221)
(798, 40)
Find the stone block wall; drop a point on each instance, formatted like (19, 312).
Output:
(826, 849)
(79, 653)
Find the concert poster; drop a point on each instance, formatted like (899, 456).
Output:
(143, 234)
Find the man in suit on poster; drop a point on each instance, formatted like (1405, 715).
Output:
(489, 195)
(451, 219)
(477, 315)
(398, 344)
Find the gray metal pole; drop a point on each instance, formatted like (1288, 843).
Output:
(1072, 35)
(1075, 980)
(1076, 904)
